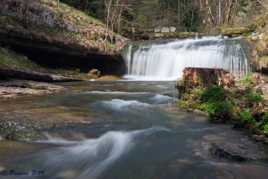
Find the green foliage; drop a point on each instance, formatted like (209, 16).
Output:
(252, 98)
(219, 110)
(265, 129)
(247, 80)
(213, 94)
(265, 117)
(264, 122)
(246, 117)
(10, 59)
(191, 99)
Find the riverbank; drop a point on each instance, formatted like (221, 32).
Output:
(243, 103)
(20, 76)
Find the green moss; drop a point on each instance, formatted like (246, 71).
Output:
(252, 97)
(246, 117)
(218, 110)
(242, 106)
(213, 94)
(71, 27)
(246, 80)
(263, 62)
(265, 129)
(10, 59)
(234, 31)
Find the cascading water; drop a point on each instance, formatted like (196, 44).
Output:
(167, 60)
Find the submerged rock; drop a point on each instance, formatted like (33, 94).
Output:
(230, 152)
(221, 147)
(12, 89)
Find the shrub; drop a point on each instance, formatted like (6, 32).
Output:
(252, 98)
(264, 121)
(247, 80)
(265, 129)
(213, 94)
(265, 117)
(219, 111)
(246, 117)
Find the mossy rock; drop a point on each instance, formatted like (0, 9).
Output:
(10, 59)
(235, 31)
(263, 63)
(58, 24)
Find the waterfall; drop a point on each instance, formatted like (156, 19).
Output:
(167, 60)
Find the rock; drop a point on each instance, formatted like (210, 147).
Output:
(13, 89)
(109, 78)
(94, 73)
(48, 15)
(235, 31)
(204, 77)
(234, 152)
(165, 30)
(263, 64)
(264, 90)
(32, 75)
(259, 138)
(257, 79)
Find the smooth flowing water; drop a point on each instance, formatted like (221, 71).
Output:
(129, 130)
(166, 60)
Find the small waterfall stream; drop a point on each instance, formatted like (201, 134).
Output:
(167, 60)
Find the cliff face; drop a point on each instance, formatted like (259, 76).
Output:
(56, 35)
(59, 24)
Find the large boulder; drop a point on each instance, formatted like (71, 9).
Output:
(205, 77)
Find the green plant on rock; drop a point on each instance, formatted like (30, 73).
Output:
(264, 122)
(213, 94)
(247, 80)
(252, 98)
(219, 110)
(265, 129)
(246, 117)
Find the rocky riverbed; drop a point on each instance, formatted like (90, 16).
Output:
(136, 124)
(15, 88)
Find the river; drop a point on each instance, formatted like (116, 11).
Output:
(125, 130)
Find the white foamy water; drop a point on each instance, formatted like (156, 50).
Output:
(166, 61)
(117, 92)
(158, 98)
(89, 158)
(119, 104)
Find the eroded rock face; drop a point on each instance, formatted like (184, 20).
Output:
(57, 24)
(32, 75)
(14, 89)
(205, 77)
(38, 15)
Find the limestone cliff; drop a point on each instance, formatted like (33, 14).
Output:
(56, 35)
(59, 24)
